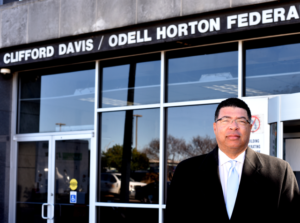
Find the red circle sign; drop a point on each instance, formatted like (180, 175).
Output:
(255, 123)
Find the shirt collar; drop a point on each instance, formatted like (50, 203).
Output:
(223, 158)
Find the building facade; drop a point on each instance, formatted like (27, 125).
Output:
(101, 99)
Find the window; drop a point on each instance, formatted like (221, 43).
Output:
(52, 101)
(129, 154)
(2, 2)
(189, 133)
(134, 81)
(272, 66)
(273, 139)
(202, 73)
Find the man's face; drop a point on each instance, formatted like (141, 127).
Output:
(232, 137)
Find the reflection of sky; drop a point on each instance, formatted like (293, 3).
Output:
(146, 73)
(146, 84)
(59, 104)
(203, 77)
(113, 128)
(272, 60)
(273, 70)
(191, 68)
(188, 122)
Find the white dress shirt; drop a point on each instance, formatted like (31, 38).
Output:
(224, 167)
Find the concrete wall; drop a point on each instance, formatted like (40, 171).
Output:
(31, 21)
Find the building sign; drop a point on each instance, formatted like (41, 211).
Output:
(260, 133)
(164, 32)
(256, 141)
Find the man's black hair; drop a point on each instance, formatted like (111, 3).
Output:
(233, 102)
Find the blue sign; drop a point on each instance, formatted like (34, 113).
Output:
(73, 197)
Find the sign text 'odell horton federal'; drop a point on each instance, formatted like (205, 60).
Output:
(164, 32)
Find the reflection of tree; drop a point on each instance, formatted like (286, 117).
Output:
(201, 145)
(178, 149)
(152, 150)
(113, 158)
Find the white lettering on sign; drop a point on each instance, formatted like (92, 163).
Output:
(161, 33)
(279, 14)
(75, 47)
(256, 140)
(48, 51)
(203, 26)
(243, 20)
(293, 14)
(172, 31)
(138, 37)
(267, 16)
(254, 18)
(89, 45)
(182, 29)
(113, 40)
(129, 38)
(199, 27)
(193, 26)
(231, 20)
(214, 25)
(24, 55)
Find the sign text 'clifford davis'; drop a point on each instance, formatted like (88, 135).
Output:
(151, 34)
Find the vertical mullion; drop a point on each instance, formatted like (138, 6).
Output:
(279, 131)
(13, 152)
(51, 177)
(240, 69)
(161, 140)
(94, 152)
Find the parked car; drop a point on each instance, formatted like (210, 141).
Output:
(111, 183)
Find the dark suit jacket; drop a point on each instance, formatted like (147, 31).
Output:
(268, 191)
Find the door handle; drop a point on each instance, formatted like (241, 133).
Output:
(47, 204)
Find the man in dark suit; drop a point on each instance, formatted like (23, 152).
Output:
(233, 182)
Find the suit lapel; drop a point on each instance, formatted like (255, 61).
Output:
(248, 184)
(212, 164)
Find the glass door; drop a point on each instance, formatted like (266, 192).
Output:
(53, 175)
(71, 180)
(32, 190)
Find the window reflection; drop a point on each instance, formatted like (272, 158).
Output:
(57, 102)
(127, 215)
(203, 73)
(32, 181)
(132, 81)
(72, 162)
(189, 133)
(273, 139)
(129, 156)
(273, 66)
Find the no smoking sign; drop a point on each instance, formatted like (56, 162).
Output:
(255, 123)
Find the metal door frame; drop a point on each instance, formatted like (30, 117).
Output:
(51, 138)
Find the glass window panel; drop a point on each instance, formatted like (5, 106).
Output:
(203, 73)
(273, 139)
(272, 66)
(72, 162)
(32, 181)
(134, 81)
(130, 155)
(126, 215)
(189, 133)
(52, 102)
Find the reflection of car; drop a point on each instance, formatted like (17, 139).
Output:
(111, 182)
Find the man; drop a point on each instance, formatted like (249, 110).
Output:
(233, 182)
